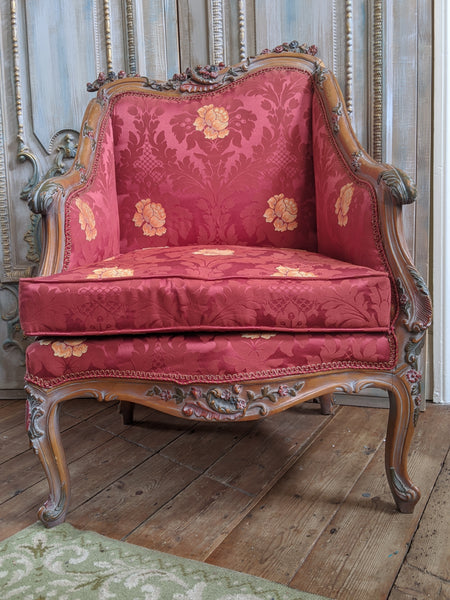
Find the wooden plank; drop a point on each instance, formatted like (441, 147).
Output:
(418, 585)
(363, 547)
(195, 521)
(206, 443)
(266, 453)
(131, 499)
(430, 548)
(284, 526)
(90, 474)
(23, 471)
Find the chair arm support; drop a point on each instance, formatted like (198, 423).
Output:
(402, 188)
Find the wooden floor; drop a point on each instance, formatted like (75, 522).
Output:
(300, 498)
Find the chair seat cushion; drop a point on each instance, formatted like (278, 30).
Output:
(205, 357)
(223, 288)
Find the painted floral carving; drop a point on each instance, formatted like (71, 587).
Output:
(343, 203)
(215, 252)
(282, 212)
(86, 219)
(151, 216)
(292, 272)
(110, 272)
(213, 121)
(67, 348)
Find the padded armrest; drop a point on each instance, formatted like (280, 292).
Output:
(81, 223)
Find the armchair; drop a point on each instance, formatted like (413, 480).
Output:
(222, 249)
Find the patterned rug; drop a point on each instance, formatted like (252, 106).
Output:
(66, 564)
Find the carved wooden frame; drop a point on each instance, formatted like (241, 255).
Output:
(247, 399)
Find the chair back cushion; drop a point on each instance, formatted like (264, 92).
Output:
(231, 166)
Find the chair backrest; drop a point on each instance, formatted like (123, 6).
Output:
(232, 165)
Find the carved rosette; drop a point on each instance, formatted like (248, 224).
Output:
(356, 160)
(336, 115)
(222, 403)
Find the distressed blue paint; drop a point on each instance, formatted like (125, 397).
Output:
(61, 46)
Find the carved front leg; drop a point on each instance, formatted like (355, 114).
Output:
(43, 431)
(398, 440)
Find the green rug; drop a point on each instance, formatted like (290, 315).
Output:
(66, 564)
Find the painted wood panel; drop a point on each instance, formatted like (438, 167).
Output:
(380, 51)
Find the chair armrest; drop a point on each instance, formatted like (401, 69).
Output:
(80, 222)
(359, 215)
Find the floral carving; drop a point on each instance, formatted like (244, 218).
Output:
(343, 203)
(110, 272)
(213, 121)
(293, 46)
(86, 219)
(282, 212)
(223, 403)
(67, 348)
(151, 216)
(292, 272)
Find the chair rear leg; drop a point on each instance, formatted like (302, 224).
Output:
(43, 432)
(126, 409)
(399, 434)
(326, 404)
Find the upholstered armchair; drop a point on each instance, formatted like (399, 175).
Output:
(222, 249)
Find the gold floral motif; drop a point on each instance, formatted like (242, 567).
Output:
(292, 272)
(151, 216)
(342, 205)
(110, 272)
(213, 121)
(257, 336)
(282, 212)
(86, 219)
(67, 348)
(215, 252)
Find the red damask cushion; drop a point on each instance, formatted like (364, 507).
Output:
(232, 166)
(208, 358)
(196, 288)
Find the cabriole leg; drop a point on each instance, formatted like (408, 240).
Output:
(398, 440)
(43, 432)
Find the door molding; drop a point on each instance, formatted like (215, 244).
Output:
(441, 204)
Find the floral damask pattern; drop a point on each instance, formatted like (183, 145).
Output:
(213, 121)
(282, 212)
(110, 273)
(151, 216)
(212, 358)
(292, 272)
(176, 289)
(214, 161)
(343, 203)
(215, 252)
(86, 219)
(67, 348)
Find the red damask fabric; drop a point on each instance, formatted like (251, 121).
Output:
(204, 357)
(207, 288)
(92, 218)
(347, 217)
(234, 166)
